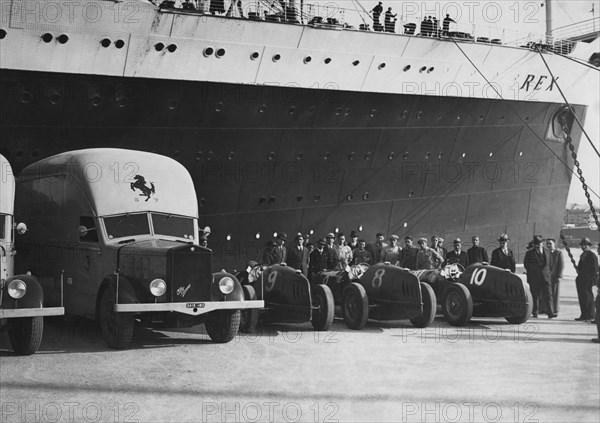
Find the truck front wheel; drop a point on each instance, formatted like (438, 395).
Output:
(116, 328)
(223, 325)
(25, 334)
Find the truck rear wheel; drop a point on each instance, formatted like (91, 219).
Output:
(223, 325)
(322, 298)
(355, 306)
(116, 328)
(458, 305)
(429, 307)
(249, 316)
(25, 334)
(517, 320)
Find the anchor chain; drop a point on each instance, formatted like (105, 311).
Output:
(583, 185)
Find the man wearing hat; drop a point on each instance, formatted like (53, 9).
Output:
(408, 255)
(329, 250)
(537, 266)
(353, 240)
(556, 272)
(377, 249)
(587, 277)
(457, 255)
(270, 256)
(502, 256)
(428, 258)
(391, 253)
(318, 259)
(297, 255)
(476, 254)
(280, 250)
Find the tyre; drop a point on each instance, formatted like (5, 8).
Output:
(322, 299)
(249, 317)
(25, 334)
(355, 306)
(429, 307)
(458, 305)
(223, 325)
(517, 320)
(116, 328)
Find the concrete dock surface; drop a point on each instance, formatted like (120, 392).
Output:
(490, 371)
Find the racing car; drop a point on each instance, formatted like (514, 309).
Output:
(480, 290)
(380, 292)
(289, 298)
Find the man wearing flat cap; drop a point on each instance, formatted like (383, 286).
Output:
(280, 250)
(408, 255)
(503, 257)
(391, 253)
(537, 266)
(297, 255)
(457, 255)
(587, 277)
(428, 258)
(318, 259)
(329, 250)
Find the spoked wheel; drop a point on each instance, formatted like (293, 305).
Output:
(429, 307)
(517, 320)
(249, 316)
(25, 334)
(116, 328)
(222, 325)
(324, 307)
(355, 306)
(458, 305)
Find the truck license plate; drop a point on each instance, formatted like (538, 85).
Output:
(195, 305)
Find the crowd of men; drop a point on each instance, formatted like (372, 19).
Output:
(543, 262)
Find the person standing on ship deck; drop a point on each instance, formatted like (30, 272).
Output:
(390, 21)
(537, 266)
(239, 8)
(446, 24)
(377, 11)
(587, 277)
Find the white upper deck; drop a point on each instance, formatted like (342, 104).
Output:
(116, 181)
(7, 187)
(137, 39)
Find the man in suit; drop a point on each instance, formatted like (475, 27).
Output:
(476, 254)
(297, 255)
(329, 250)
(502, 256)
(457, 255)
(280, 251)
(556, 271)
(353, 240)
(587, 277)
(537, 266)
(408, 255)
(270, 256)
(318, 259)
(377, 249)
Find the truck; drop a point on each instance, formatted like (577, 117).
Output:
(22, 308)
(119, 229)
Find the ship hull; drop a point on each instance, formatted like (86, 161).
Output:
(268, 159)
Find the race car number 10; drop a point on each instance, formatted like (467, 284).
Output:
(478, 276)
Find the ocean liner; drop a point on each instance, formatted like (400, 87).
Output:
(297, 123)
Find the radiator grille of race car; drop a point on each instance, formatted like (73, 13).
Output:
(190, 274)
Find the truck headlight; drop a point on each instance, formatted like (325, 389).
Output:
(17, 288)
(158, 287)
(226, 285)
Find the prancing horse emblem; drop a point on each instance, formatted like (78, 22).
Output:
(181, 291)
(140, 183)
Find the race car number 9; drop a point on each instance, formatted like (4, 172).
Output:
(378, 278)
(271, 280)
(478, 276)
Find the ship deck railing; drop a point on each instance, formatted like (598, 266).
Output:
(329, 15)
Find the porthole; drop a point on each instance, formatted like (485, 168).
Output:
(312, 110)
(262, 108)
(257, 235)
(292, 110)
(201, 202)
(63, 38)
(2, 34)
(276, 57)
(105, 42)
(172, 48)
(366, 196)
(307, 59)
(47, 37)
(25, 97)
(271, 156)
(368, 155)
(327, 156)
(431, 69)
(271, 200)
(411, 193)
(208, 51)
(220, 52)
(254, 55)
(356, 62)
(228, 237)
(391, 155)
(405, 156)
(405, 224)
(338, 111)
(317, 197)
(441, 155)
(230, 155)
(299, 198)
(349, 197)
(96, 100)
(491, 154)
(423, 69)
(299, 156)
(360, 228)
(372, 113)
(210, 155)
(464, 155)
(173, 104)
(327, 61)
(119, 43)
(219, 107)
(352, 156)
(381, 66)
(419, 114)
(427, 155)
(159, 46)
(406, 68)
(199, 156)
(263, 200)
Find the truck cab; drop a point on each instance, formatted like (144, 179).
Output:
(119, 228)
(21, 296)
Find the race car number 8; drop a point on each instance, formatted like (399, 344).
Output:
(378, 278)
(271, 280)
(478, 276)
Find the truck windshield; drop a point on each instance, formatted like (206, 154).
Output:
(166, 224)
(127, 225)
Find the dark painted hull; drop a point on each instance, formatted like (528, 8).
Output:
(268, 159)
